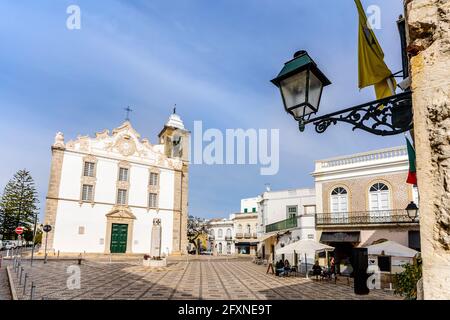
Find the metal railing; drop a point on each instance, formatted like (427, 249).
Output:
(282, 225)
(228, 238)
(395, 216)
(239, 235)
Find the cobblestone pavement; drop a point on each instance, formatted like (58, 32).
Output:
(198, 279)
(5, 293)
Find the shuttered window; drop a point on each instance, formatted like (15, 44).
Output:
(122, 196)
(89, 169)
(87, 193)
(153, 200)
(123, 174)
(153, 179)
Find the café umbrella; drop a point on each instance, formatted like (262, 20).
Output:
(304, 247)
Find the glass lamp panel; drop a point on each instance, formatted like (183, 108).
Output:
(315, 91)
(294, 90)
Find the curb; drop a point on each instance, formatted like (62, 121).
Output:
(12, 288)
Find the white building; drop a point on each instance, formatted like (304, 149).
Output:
(221, 236)
(250, 205)
(285, 216)
(105, 192)
(361, 201)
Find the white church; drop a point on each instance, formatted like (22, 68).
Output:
(105, 192)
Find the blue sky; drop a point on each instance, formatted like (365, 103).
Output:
(214, 59)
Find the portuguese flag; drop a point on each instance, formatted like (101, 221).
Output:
(412, 177)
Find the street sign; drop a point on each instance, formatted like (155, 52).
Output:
(47, 228)
(19, 230)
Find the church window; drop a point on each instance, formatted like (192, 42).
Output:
(89, 169)
(87, 193)
(153, 200)
(153, 179)
(122, 196)
(123, 174)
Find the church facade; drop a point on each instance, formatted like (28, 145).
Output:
(105, 191)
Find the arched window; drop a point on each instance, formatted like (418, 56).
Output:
(212, 232)
(220, 233)
(239, 230)
(339, 200)
(248, 229)
(229, 232)
(379, 202)
(220, 248)
(379, 197)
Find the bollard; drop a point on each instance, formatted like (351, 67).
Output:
(25, 283)
(32, 290)
(20, 276)
(1, 260)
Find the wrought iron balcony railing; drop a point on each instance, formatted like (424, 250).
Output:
(247, 235)
(364, 217)
(239, 235)
(254, 235)
(228, 238)
(282, 225)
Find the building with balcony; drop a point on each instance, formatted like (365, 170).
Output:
(361, 200)
(245, 225)
(283, 217)
(220, 237)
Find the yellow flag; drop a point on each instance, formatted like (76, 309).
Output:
(372, 70)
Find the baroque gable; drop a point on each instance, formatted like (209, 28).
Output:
(124, 143)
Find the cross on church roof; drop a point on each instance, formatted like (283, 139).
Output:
(128, 110)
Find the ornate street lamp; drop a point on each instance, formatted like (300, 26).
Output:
(301, 83)
(412, 210)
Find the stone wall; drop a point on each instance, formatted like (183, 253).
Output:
(428, 28)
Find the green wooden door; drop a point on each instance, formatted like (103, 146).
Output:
(119, 234)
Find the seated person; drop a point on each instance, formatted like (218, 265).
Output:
(287, 266)
(317, 270)
(279, 268)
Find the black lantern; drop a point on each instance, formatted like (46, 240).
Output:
(301, 84)
(412, 210)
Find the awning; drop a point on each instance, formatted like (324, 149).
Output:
(267, 236)
(340, 237)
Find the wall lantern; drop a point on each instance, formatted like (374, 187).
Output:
(412, 210)
(301, 83)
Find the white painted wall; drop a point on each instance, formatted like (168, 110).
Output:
(249, 204)
(71, 215)
(275, 203)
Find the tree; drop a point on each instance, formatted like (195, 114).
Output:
(406, 282)
(18, 204)
(196, 227)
